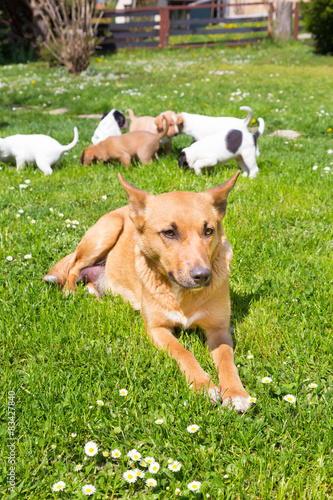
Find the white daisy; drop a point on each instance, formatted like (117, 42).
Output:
(9, 258)
(252, 399)
(159, 421)
(104, 197)
(175, 466)
(314, 167)
(23, 186)
(150, 460)
(194, 486)
(28, 256)
(140, 473)
(151, 482)
(91, 449)
(32, 221)
(53, 446)
(192, 428)
(134, 455)
(123, 392)
(51, 209)
(100, 402)
(59, 486)
(266, 380)
(17, 216)
(143, 463)
(78, 467)
(130, 476)
(178, 492)
(105, 454)
(250, 356)
(60, 214)
(21, 211)
(76, 222)
(312, 385)
(27, 181)
(68, 221)
(330, 151)
(170, 460)
(73, 435)
(116, 453)
(290, 398)
(154, 468)
(73, 226)
(88, 489)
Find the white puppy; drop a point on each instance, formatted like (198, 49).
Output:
(34, 148)
(230, 142)
(200, 126)
(110, 125)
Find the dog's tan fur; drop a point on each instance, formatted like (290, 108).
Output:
(151, 248)
(154, 125)
(123, 148)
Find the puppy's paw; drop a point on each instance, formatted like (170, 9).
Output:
(214, 395)
(51, 278)
(238, 403)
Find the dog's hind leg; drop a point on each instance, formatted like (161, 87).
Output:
(59, 272)
(125, 159)
(44, 166)
(249, 165)
(95, 245)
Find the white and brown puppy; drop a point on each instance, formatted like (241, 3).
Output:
(125, 147)
(155, 125)
(227, 144)
(200, 126)
(40, 149)
(111, 124)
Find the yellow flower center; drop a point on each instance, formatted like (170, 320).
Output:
(130, 476)
(194, 486)
(59, 487)
(91, 450)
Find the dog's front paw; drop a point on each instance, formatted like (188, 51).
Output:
(238, 403)
(214, 395)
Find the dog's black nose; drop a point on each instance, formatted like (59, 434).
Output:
(201, 275)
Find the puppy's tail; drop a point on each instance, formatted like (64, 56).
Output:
(131, 114)
(74, 141)
(248, 119)
(165, 128)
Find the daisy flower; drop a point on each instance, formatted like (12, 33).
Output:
(21, 211)
(23, 186)
(116, 453)
(130, 476)
(266, 380)
(76, 222)
(32, 221)
(150, 460)
(194, 486)
(53, 446)
(159, 421)
(170, 460)
(73, 435)
(154, 468)
(312, 385)
(143, 463)
(134, 455)
(59, 486)
(51, 209)
(252, 399)
(105, 454)
(290, 398)
(330, 151)
(78, 467)
(17, 216)
(88, 489)
(192, 428)
(250, 356)
(27, 181)
(314, 167)
(151, 482)
(123, 392)
(91, 449)
(104, 197)
(140, 473)
(60, 214)
(9, 258)
(28, 256)
(99, 402)
(175, 466)
(178, 492)
(68, 221)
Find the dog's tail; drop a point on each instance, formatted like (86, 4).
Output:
(74, 141)
(248, 119)
(131, 114)
(165, 128)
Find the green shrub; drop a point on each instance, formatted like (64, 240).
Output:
(318, 18)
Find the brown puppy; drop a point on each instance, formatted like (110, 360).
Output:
(168, 256)
(154, 125)
(123, 148)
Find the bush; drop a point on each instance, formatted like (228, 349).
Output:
(318, 18)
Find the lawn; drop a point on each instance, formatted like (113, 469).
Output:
(61, 355)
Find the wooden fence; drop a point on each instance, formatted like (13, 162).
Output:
(158, 27)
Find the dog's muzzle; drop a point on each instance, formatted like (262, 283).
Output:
(201, 276)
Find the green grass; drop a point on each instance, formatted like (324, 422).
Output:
(60, 355)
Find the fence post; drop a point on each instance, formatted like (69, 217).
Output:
(270, 20)
(296, 21)
(284, 13)
(164, 27)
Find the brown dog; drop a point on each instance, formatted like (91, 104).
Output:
(168, 256)
(154, 125)
(125, 147)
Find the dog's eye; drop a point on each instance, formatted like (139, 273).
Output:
(209, 231)
(169, 233)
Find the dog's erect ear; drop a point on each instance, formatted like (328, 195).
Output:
(218, 195)
(137, 200)
(159, 122)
